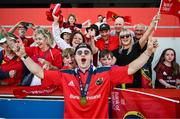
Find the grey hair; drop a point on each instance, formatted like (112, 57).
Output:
(140, 25)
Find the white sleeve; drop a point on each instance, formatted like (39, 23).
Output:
(56, 35)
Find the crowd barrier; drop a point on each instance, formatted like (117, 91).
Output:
(52, 106)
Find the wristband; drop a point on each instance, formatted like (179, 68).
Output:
(24, 57)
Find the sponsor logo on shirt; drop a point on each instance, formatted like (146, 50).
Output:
(71, 83)
(93, 97)
(164, 73)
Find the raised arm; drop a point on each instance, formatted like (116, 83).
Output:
(19, 49)
(86, 24)
(150, 29)
(56, 34)
(143, 58)
(92, 41)
(13, 29)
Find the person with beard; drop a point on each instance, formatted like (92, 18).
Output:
(86, 88)
(22, 30)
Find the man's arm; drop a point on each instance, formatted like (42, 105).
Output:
(150, 29)
(143, 58)
(19, 49)
(13, 29)
(32, 66)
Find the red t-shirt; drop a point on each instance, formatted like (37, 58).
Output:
(97, 95)
(12, 64)
(113, 43)
(165, 73)
(27, 41)
(52, 55)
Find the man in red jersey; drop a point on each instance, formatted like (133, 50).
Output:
(86, 88)
(106, 41)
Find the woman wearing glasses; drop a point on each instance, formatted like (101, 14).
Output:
(86, 86)
(130, 50)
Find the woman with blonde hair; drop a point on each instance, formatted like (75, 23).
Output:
(130, 50)
(47, 57)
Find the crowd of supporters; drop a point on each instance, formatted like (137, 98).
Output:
(53, 49)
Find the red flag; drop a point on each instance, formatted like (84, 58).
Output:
(56, 10)
(145, 79)
(112, 16)
(171, 7)
(134, 104)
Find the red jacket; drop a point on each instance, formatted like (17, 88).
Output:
(12, 64)
(113, 43)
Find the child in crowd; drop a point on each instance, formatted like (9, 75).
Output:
(106, 58)
(167, 70)
(68, 58)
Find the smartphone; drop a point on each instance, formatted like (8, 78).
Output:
(27, 24)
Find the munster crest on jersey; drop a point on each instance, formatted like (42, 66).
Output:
(99, 81)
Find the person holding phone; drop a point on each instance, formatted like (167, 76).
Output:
(22, 30)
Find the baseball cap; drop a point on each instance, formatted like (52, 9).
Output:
(93, 26)
(104, 27)
(83, 45)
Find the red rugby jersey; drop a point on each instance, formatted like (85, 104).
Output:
(103, 79)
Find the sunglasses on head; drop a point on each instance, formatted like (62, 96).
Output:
(123, 36)
(80, 52)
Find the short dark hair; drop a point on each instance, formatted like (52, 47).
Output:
(83, 45)
(105, 52)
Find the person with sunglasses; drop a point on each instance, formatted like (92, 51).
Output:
(130, 50)
(86, 88)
